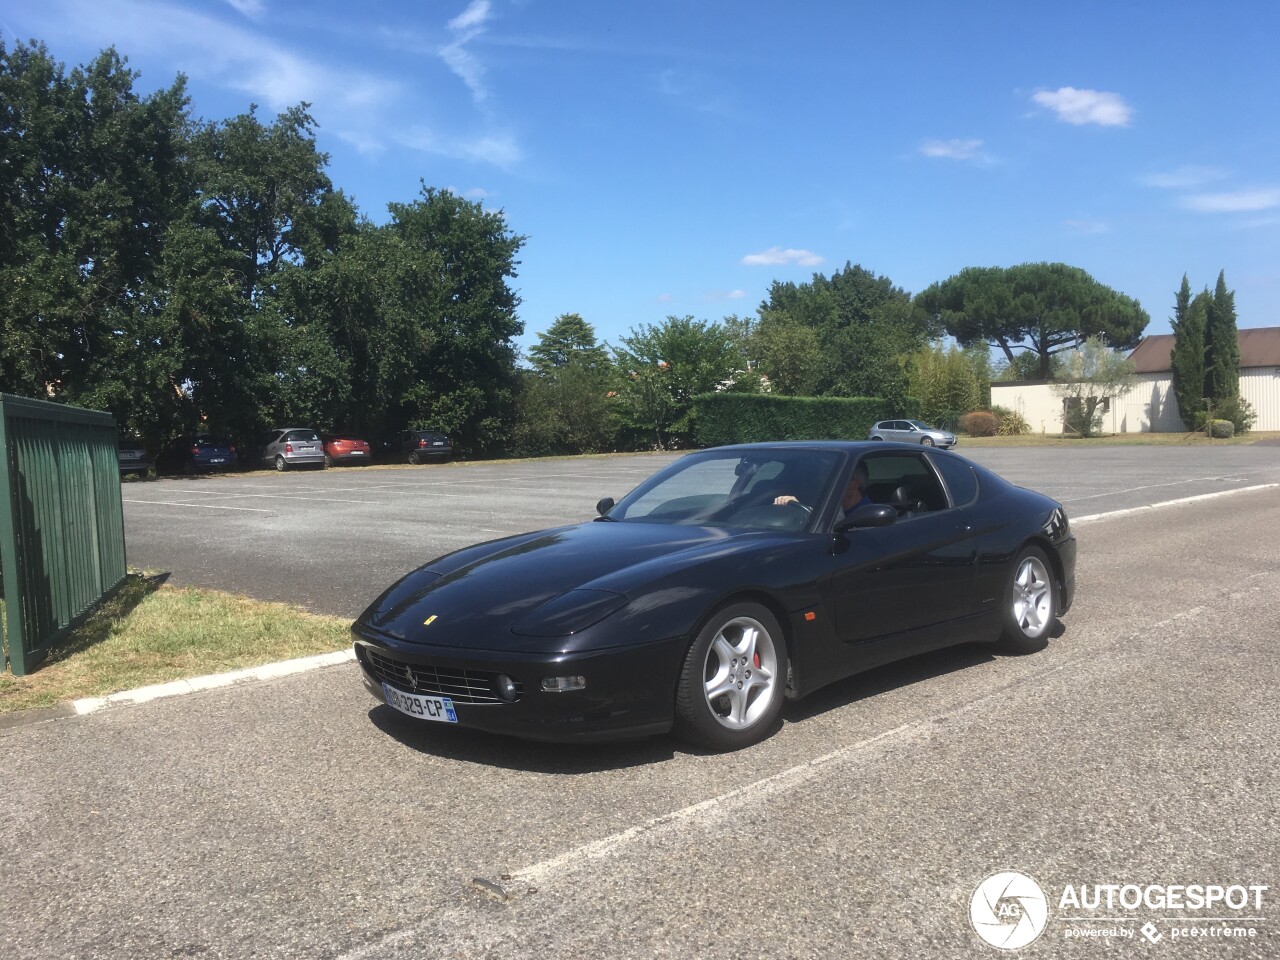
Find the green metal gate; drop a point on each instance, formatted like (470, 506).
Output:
(62, 534)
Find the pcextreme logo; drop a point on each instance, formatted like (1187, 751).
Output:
(1009, 910)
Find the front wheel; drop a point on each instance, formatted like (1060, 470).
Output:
(730, 692)
(926, 441)
(1030, 604)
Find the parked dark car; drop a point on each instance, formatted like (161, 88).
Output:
(202, 453)
(132, 457)
(345, 448)
(287, 447)
(724, 583)
(421, 446)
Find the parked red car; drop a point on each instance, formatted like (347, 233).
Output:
(345, 448)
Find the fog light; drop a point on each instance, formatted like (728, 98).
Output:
(506, 687)
(563, 684)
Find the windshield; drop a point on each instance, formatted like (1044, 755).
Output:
(920, 424)
(207, 441)
(735, 488)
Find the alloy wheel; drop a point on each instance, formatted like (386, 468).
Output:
(741, 673)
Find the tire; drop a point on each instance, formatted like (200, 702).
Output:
(730, 693)
(926, 441)
(281, 465)
(414, 458)
(881, 439)
(328, 460)
(1030, 603)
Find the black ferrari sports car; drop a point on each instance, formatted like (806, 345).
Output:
(732, 579)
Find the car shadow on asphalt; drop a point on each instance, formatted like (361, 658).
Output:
(476, 746)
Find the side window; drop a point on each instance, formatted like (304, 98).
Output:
(905, 482)
(959, 479)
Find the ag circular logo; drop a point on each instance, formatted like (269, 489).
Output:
(1008, 910)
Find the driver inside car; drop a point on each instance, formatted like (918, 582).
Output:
(852, 498)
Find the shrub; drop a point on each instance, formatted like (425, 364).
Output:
(1013, 424)
(1222, 430)
(723, 418)
(979, 423)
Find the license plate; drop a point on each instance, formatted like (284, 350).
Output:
(437, 443)
(217, 460)
(416, 705)
(357, 453)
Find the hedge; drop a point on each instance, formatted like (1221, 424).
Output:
(723, 418)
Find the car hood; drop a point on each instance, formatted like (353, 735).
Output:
(510, 594)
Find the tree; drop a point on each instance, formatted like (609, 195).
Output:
(452, 315)
(790, 355)
(661, 368)
(947, 382)
(1189, 322)
(1092, 373)
(864, 328)
(1042, 308)
(1222, 346)
(563, 404)
(570, 340)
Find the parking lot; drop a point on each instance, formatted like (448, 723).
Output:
(299, 818)
(332, 540)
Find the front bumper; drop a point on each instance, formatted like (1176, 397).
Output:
(630, 691)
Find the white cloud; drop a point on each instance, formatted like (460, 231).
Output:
(253, 9)
(665, 298)
(1183, 178)
(467, 26)
(1086, 106)
(952, 149)
(776, 256)
(715, 296)
(1087, 227)
(475, 15)
(1239, 201)
(499, 150)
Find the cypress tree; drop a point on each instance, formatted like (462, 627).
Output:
(1189, 324)
(1222, 346)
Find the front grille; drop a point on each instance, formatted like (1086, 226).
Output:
(457, 683)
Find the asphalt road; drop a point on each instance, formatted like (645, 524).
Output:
(298, 818)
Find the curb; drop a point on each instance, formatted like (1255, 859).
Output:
(175, 688)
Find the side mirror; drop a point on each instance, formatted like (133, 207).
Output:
(604, 505)
(868, 515)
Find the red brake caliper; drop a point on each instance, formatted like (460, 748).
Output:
(756, 660)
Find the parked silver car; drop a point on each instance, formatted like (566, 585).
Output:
(911, 431)
(287, 447)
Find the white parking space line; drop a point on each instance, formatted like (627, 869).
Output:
(187, 503)
(1152, 486)
(1170, 503)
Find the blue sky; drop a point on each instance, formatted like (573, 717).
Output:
(676, 157)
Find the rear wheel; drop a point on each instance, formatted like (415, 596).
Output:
(730, 693)
(414, 458)
(328, 460)
(1031, 603)
(281, 465)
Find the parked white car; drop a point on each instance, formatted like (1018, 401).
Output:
(911, 431)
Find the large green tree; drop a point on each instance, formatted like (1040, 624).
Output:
(1189, 322)
(1222, 346)
(864, 328)
(660, 368)
(1042, 308)
(564, 404)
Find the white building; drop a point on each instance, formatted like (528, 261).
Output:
(1150, 406)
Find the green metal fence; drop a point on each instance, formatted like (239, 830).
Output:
(62, 534)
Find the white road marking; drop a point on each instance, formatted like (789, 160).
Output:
(206, 506)
(1151, 486)
(1171, 503)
